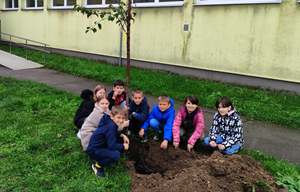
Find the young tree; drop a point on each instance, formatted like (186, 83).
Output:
(123, 16)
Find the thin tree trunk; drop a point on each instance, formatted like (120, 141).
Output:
(128, 57)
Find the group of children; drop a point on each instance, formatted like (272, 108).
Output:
(101, 119)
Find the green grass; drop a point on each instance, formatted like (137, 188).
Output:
(274, 107)
(32, 156)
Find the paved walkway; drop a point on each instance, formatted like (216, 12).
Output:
(273, 140)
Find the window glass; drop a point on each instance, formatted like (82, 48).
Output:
(16, 3)
(94, 2)
(8, 4)
(111, 2)
(168, 0)
(40, 3)
(58, 2)
(30, 3)
(71, 2)
(144, 1)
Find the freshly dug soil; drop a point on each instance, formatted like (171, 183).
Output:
(156, 169)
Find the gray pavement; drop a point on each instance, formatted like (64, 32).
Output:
(273, 140)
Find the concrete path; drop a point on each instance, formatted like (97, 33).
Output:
(16, 63)
(273, 140)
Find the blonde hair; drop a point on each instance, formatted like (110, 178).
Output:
(118, 109)
(137, 91)
(164, 97)
(97, 88)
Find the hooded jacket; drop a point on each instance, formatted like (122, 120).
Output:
(91, 124)
(229, 127)
(198, 124)
(85, 108)
(141, 110)
(105, 136)
(166, 117)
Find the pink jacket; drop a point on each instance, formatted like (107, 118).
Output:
(198, 123)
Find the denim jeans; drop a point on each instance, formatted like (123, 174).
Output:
(220, 141)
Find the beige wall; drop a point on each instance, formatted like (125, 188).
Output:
(260, 40)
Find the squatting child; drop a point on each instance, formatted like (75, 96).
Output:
(226, 132)
(138, 111)
(188, 122)
(117, 96)
(161, 117)
(106, 142)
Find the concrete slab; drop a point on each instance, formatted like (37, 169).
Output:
(272, 140)
(16, 63)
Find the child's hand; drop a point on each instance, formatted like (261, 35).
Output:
(126, 146)
(213, 144)
(115, 95)
(141, 133)
(126, 108)
(164, 144)
(125, 139)
(176, 144)
(126, 123)
(189, 147)
(221, 147)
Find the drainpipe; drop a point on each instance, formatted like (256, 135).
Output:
(121, 40)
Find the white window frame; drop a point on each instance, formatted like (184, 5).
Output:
(156, 3)
(103, 5)
(62, 7)
(35, 7)
(234, 2)
(13, 6)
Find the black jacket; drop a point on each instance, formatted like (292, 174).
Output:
(85, 108)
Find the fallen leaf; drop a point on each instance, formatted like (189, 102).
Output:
(58, 135)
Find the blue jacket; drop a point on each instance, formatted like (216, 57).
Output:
(141, 110)
(105, 136)
(166, 117)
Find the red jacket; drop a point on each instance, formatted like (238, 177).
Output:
(198, 123)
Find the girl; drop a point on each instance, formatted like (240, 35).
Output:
(226, 132)
(189, 122)
(92, 122)
(86, 107)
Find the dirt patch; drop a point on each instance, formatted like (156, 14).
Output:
(156, 169)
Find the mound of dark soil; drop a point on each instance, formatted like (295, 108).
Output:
(156, 169)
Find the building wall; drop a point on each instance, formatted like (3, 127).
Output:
(254, 40)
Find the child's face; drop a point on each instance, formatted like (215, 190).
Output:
(190, 106)
(223, 110)
(137, 98)
(118, 119)
(100, 92)
(163, 105)
(103, 104)
(118, 89)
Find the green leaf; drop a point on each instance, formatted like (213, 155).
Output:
(99, 26)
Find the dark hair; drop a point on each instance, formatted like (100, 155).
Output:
(101, 97)
(137, 91)
(118, 109)
(164, 97)
(225, 102)
(119, 82)
(193, 99)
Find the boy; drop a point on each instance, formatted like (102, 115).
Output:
(138, 111)
(117, 96)
(161, 117)
(106, 142)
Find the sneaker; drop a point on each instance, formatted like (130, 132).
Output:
(78, 134)
(155, 138)
(143, 140)
(128, 132)
(98, 171)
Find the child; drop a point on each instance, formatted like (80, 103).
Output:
(87, 106)
(161, 117)
(92, 122)
(106, 142)
(138, 111)
(226, 133)
(117, 96)
(189, 122)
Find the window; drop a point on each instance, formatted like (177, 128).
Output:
(230, 2)
(34, 4)
(11, 4)
(63, 3)
(157, 3)
(100, 3)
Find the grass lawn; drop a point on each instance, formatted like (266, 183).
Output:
(274, 107)
(39, 150)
